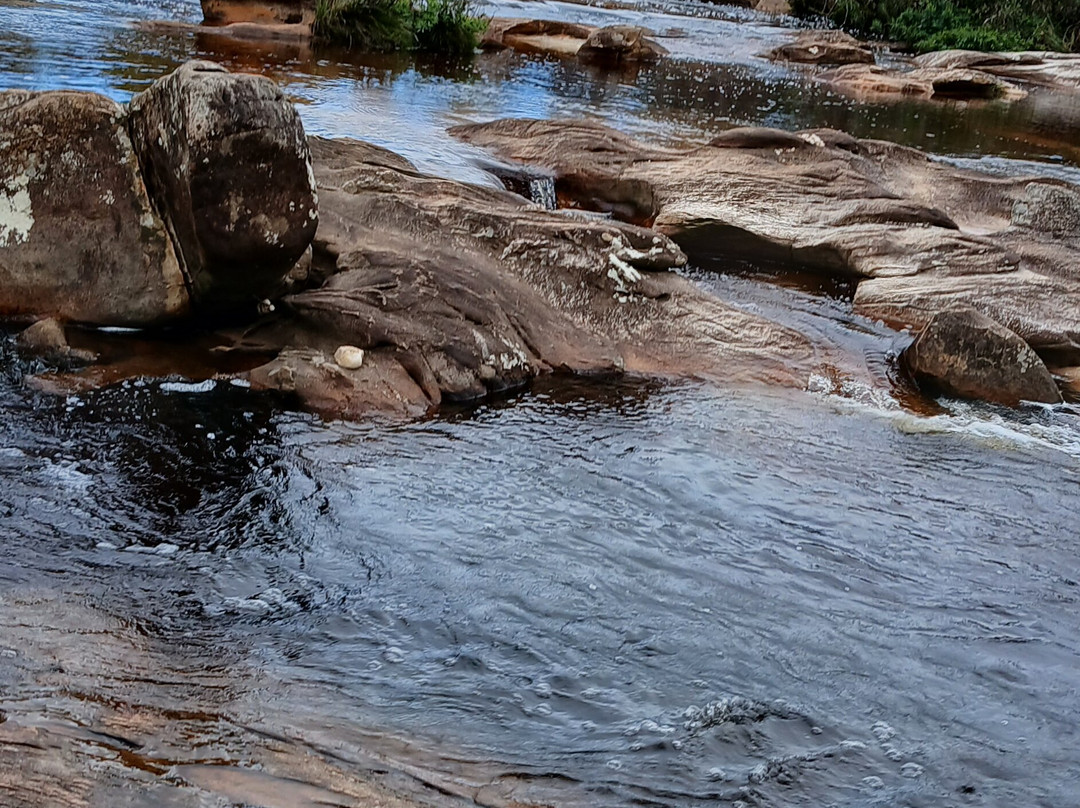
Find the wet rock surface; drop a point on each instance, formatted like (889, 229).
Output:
(226, 158)
(46, 339)
(965, 353)
(919, 235)
(79, 238)
(455, 291)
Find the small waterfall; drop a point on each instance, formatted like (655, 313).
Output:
(542, 191)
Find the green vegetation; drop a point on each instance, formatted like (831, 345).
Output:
(431, 26)
(928, 25)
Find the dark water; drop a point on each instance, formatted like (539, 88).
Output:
(667, 595)
(642, 594)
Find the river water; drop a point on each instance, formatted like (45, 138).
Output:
(652, 594)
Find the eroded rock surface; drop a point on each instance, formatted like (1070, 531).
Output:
(965, 353)
(454, 291)
(79, 238)
(1056, 70)
(226, 159)
(823, 48)
(875, 83)
(921, 236)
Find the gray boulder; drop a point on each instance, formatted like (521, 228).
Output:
(79, 238)
(226, 160)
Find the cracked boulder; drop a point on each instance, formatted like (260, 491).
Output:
(79, 238)
(454, 291)
(227, 162)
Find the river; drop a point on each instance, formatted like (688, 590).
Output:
(628, 594)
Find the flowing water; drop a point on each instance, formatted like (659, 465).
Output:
(658, 594)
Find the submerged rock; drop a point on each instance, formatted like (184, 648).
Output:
(919, 235)
(965, 353)
(79, 238)
(454, 291)
(46, 339)
(823, 48)
(226, 159)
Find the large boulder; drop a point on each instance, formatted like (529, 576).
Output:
(79, 238)
(964, 353)
(1059, 71)
(454, 291)
(227, 162)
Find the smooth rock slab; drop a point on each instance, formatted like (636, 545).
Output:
(225, 156)
(965, 353)
(79, 238)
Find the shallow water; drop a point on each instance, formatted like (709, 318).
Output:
(637, 594)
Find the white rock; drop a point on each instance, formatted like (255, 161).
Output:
(349, 357)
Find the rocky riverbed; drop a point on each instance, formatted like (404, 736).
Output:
(643, 471)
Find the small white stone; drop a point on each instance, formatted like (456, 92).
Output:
(349, 357)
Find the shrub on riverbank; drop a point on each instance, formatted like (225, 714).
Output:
(928, 25)
(430, 26)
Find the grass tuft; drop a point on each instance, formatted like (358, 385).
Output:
(928, 25)
(430, 26)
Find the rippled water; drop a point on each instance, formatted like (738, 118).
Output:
(670, 595)
(641, 594)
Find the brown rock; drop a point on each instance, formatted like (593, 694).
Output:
(965, 353)
(535, 36)
(823, 48)
(620, 44)
(263, 12)
(613, 45)
(1054, 70)
(79, 239)
(464, 290)
(226, 159)
(46, 339)
(921, 236)
(870, 82)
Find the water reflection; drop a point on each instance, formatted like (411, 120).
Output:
(714, 81)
